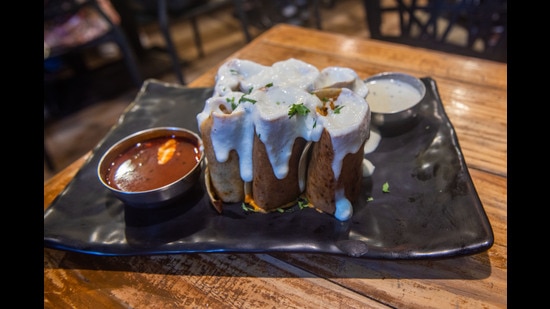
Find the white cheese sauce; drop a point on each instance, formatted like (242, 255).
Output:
(373, 141)
(339, 77)
(231, 74)
(370, 146)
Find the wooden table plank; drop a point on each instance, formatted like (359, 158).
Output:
(214, 280)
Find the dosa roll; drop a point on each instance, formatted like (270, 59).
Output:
(225, 178)
(268, 191)
(322, 188)
(227, 135)
(335, 169)
(279, 139)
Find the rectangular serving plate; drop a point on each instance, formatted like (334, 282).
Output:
(431, 211)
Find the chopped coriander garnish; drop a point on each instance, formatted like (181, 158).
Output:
(233, 71)
(314, 123)
(232, 102)
(250, 90)
(269, 85)
(244, 99)
(280, 210)
(370, 199)
(299, 109)
(386, 187)
(247, 207)
(338, 108)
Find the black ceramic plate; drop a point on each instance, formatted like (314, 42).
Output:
(431, 211)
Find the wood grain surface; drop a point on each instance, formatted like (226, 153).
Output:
(474, 94)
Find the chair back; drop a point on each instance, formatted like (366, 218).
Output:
(70, 24)
(70, 28)
(475, 28)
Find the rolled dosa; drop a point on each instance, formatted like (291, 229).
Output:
(323, 190)
(225, 178)
(227, 134)
(269, 192)
(279, 139)
(335, 169)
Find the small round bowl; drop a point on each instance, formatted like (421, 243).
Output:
(153, 167)
(394, 99)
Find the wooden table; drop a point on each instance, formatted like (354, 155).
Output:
(474, 94)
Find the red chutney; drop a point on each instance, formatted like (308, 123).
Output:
(153, 163)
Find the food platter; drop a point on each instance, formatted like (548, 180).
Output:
(432, 209)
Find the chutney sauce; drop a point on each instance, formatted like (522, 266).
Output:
(153, 163)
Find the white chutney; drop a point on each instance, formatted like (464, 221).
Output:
(391, 95)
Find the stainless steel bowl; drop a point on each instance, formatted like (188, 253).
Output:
(159, 185)
(394, 99)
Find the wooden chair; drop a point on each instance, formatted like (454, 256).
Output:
(264, 14)
(163, 12)
(56, 10)
(430, 24)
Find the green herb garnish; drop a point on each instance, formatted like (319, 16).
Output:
(338, 108)
(244, 99)
(246, 208)
(269, 85)
(370, 199)
(232, 102)
(386, 187)
(299, 109)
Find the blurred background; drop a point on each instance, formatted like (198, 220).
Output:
(98, 52)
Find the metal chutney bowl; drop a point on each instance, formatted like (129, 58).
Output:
(153, 167)
(394, 99)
